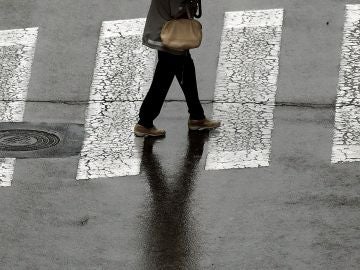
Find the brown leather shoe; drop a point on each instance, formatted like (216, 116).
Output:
(203, 124)
(141, 131)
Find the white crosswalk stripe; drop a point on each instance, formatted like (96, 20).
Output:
(17, 49)
(122, 76)
(346, 141)
(245, 89)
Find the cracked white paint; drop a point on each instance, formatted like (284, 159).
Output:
(245, 89)
(346, 141)
(7, 166)
(110, 148)
(253, 18)
(123, 74)
(124, 67)
(17, 49)
(244, 138)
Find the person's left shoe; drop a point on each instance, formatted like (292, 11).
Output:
(141, 131)
(203, 124)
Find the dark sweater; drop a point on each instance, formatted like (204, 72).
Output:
(161, 11)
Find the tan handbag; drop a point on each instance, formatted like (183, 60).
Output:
(182, 34)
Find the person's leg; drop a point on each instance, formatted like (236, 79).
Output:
(154, 99)
(187, 79)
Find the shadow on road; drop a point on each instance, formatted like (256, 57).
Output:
(171, 239)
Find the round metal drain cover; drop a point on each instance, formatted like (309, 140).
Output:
(26, 140)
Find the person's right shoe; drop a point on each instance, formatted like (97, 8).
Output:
(203, 124)
(141, 131)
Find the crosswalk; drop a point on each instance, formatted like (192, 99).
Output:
(244, 96)
(245, 89)
(346, 142)
(17, 48)
(122, 75)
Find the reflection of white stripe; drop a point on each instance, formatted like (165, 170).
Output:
(122, 76)
(17, 48)
(245, 89)
(346, 141)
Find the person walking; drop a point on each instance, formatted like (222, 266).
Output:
(170, 63)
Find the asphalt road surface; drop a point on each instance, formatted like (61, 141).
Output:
(276, 187)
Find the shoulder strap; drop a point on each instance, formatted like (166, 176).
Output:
(200, 10)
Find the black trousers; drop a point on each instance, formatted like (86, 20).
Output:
(168, 66)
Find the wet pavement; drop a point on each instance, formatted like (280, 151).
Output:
(301, 212)
(273, 188)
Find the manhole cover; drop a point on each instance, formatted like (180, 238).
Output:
(26, 140)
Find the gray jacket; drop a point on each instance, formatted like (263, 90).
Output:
(161, 11)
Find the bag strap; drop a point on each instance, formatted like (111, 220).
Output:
(198, 3)
(188, 12)
(200, 10)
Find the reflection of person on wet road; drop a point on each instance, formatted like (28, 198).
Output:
(170, 235)
(170, 63)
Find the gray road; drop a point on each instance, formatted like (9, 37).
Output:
(300, 212)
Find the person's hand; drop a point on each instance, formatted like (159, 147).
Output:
(193, 7)
(193, 4)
